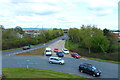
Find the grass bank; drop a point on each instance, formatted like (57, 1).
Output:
(37, 73)
(108, 57)
(34, 52)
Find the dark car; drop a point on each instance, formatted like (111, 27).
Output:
(26, 47)
(90, 69)
(75, 55)
(60, 54)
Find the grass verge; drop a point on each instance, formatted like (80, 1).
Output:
(11, 49)
(34, 52)
(102, 60)
(37, 73)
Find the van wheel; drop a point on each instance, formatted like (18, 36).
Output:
(50, 62)
(94, 75)
(81, 71)
(60, 63)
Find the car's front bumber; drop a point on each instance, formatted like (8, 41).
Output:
(97, 72)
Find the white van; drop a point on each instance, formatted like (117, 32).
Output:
(48, 52)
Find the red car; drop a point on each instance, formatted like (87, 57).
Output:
(75, 55)
(56, 50)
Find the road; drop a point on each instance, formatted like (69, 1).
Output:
(109, 70)
(60, 45)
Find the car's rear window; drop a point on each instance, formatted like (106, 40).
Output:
(55, 49)
(74, 54)
(60, 52)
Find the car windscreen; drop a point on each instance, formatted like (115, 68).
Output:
(75, 54)
(60, 59)
(65, 50)
(48, 51)
(55, 49)
(94, 68)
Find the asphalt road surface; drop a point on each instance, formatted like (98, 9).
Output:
(60, 45)
(109, 70)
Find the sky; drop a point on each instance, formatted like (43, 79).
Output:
(59, 13)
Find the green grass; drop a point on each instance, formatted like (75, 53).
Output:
(70, 45)
(110, 57)
(97, 59)
(36, 73)
(11, 49)
(34, 52)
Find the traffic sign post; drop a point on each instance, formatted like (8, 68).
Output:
(28, 64)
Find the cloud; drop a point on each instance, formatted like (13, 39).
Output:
(61, 13)
(101, 11)
(46, 13)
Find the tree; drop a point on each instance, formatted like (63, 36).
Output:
(100, 43)
(74, 35)
(106, 32)
(112, 38)
(2, 27)
(9, 34)
(86, 34)
(19, 29)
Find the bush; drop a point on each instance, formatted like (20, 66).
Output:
(113, 48)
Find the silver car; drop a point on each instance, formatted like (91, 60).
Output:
(56, 60)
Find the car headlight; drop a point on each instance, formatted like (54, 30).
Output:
(62, 61)
(97, 73)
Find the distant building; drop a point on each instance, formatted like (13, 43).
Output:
(32, 33)
(117, 34)
(20, 35)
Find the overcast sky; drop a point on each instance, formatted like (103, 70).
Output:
(59, 13)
